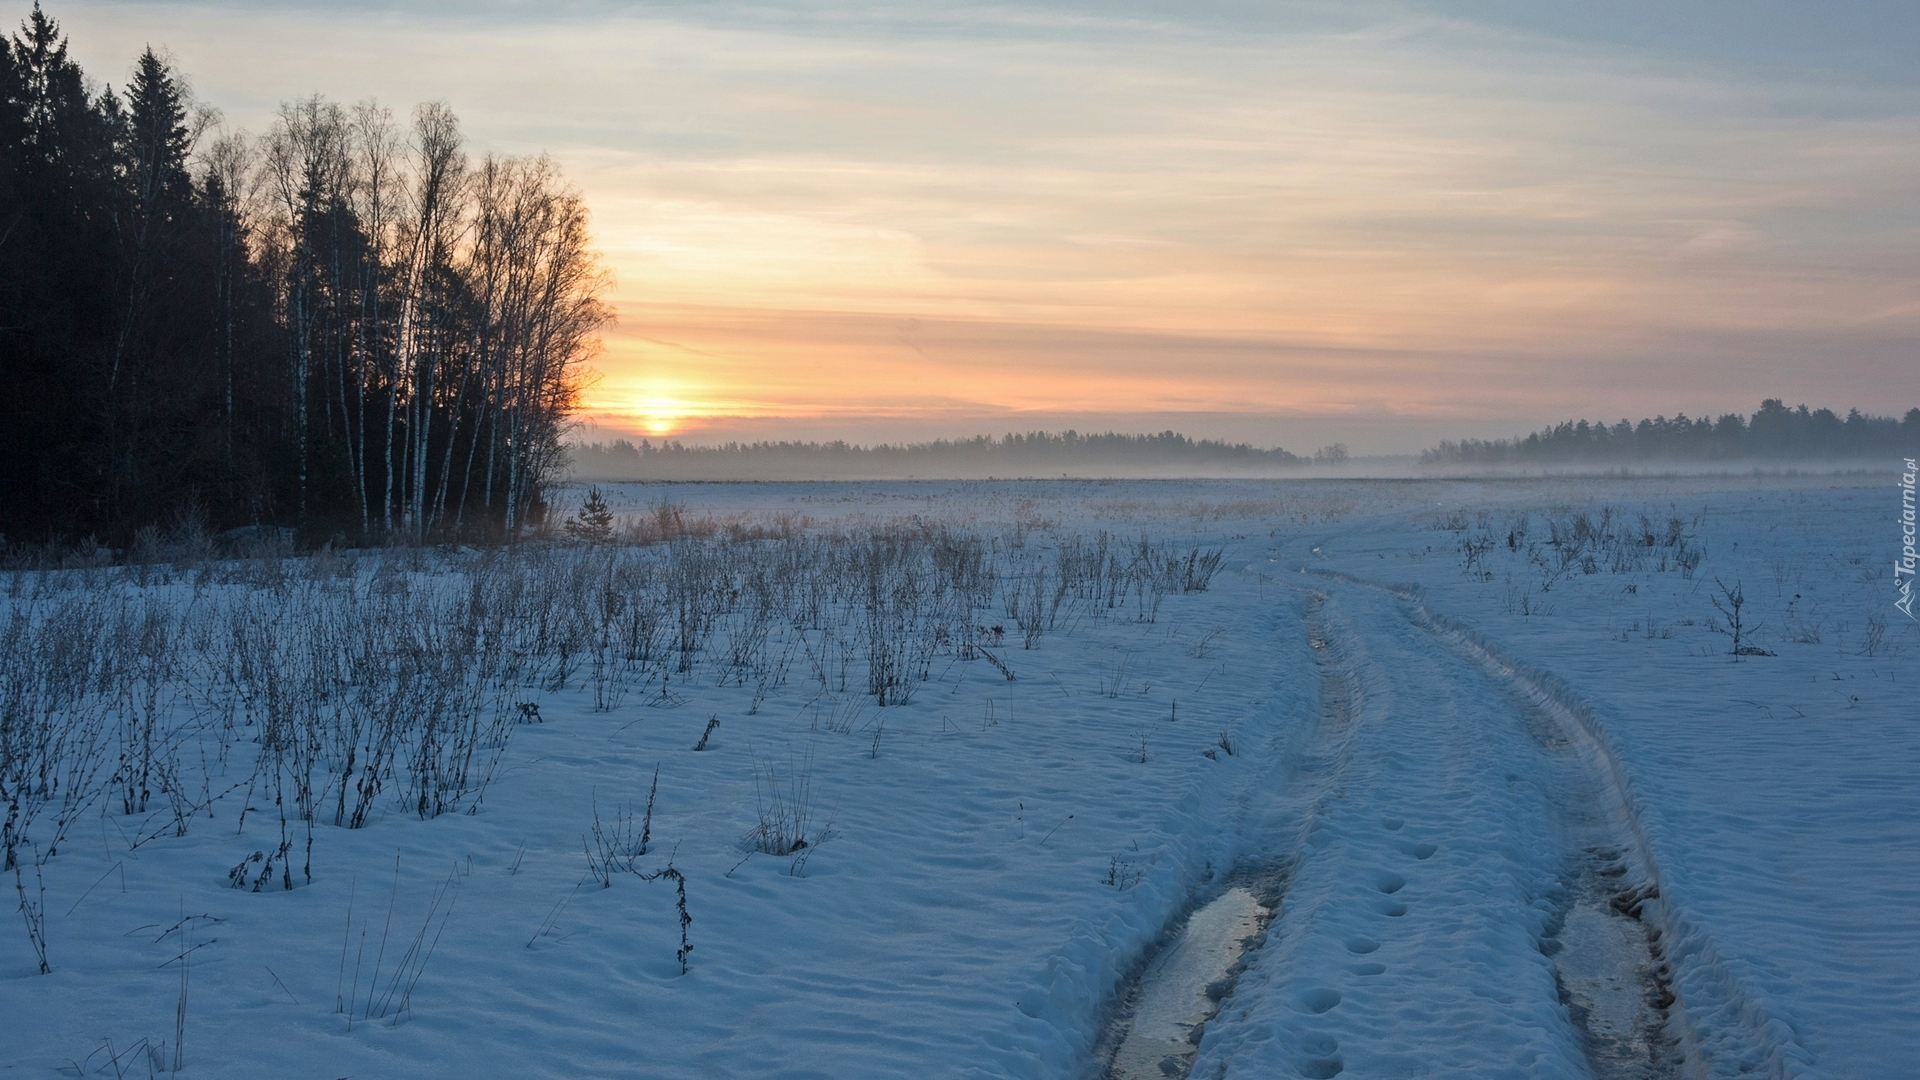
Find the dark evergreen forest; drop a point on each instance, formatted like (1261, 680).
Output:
(1775, 433)
(345, 325)
(1037, 453)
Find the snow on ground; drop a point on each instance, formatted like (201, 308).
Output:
(1777, 791)
(989, 863)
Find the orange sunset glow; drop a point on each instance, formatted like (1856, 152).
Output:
(1435, 221)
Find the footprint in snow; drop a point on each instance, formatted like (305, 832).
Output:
(1319, 999)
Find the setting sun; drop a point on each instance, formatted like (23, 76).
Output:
(660, 416)
(651, 407)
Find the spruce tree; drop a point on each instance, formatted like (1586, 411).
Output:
(594, 523)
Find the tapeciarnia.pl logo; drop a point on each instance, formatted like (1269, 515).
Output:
(1903, 566)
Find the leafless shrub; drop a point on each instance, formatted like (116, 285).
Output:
(1203, 648)
(680, 906)
(1581, 542)
(1027, 605)
(58, 682)
(1688, 560)
(1875, 637)
(667, 521)
(618, 845)
(1110, 687)
(391, 997)
(839, 717)
(783, 805)
(1198, 569)
(712, 722)
(337, 687)
(1731, 604)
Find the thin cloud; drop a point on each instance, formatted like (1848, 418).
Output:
(1433, 207)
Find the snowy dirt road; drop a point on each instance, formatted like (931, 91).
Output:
(1468, 890)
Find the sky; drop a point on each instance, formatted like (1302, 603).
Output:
(1381, 223)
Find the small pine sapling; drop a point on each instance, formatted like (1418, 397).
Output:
(593, 523)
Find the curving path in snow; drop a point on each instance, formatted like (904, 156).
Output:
(1469, 896)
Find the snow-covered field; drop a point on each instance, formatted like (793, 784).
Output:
(1474, 757)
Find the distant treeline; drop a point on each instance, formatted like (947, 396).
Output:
(342, 325)
(1035, 454)
(1775, 432)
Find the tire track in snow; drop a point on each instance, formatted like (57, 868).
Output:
(1609, 962)
(1627, 962)
(1591, 914)
(1189, 979)
(1745, 1040)
(1453, 910)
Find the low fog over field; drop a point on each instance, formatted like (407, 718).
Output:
(1775, 438)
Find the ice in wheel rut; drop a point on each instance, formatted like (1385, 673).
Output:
(1458, 890)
